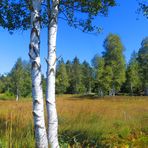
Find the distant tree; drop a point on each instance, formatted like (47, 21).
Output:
(5, 84)
(17, 78)
(61, 78)
(114, 59)
(143, 62)
(95, 61)
(27, 79)
(107, 80)
(132, 75)
(98, 67)
(87, 77)
(69, 74)
(76, 80)
(20, 79)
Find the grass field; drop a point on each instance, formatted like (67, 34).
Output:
(110, 122)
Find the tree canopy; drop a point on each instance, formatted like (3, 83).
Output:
(114, 59)
(133, 82)
(77, 77)
(143, 62)
(15, 14)
(144, 8)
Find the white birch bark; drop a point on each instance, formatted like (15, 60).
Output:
(51, 71)
(37, 93)
(17, 95)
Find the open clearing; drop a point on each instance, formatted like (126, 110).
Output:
(110, 122)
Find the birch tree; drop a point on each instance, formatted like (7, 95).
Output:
(53, 11)
(114, 58)
(17, 15)
(68, 10)
(98, 65)
(37, 92)
(16, 76)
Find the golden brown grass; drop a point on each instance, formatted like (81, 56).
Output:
(89, 122)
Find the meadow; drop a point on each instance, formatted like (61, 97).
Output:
(84, 121)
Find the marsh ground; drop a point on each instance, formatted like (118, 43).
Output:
(84, 121)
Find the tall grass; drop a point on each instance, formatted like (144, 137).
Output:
(101, 122)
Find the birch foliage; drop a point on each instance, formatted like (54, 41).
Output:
(114, 58)
(15, 14)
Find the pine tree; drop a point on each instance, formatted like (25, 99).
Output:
(61, 78)
(87, 77)
(76, 80)
(69, 74)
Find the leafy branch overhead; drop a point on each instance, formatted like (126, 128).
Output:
(79, 14)
(144, 8)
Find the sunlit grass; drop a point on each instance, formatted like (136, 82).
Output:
(83, 122)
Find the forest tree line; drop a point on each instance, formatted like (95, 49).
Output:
(105, 75)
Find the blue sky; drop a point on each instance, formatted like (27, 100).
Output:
(122, 20)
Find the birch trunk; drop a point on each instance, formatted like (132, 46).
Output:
(37, 93)
(17, 95)
(51, 71)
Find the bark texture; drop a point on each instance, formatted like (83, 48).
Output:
(51, 72)
(37, 93)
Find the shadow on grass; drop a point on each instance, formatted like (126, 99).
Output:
(80, 139)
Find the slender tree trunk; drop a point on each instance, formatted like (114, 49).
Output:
(110, 92)
(51, 71)
(37, 93)
(17, 95)
(100, 92)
